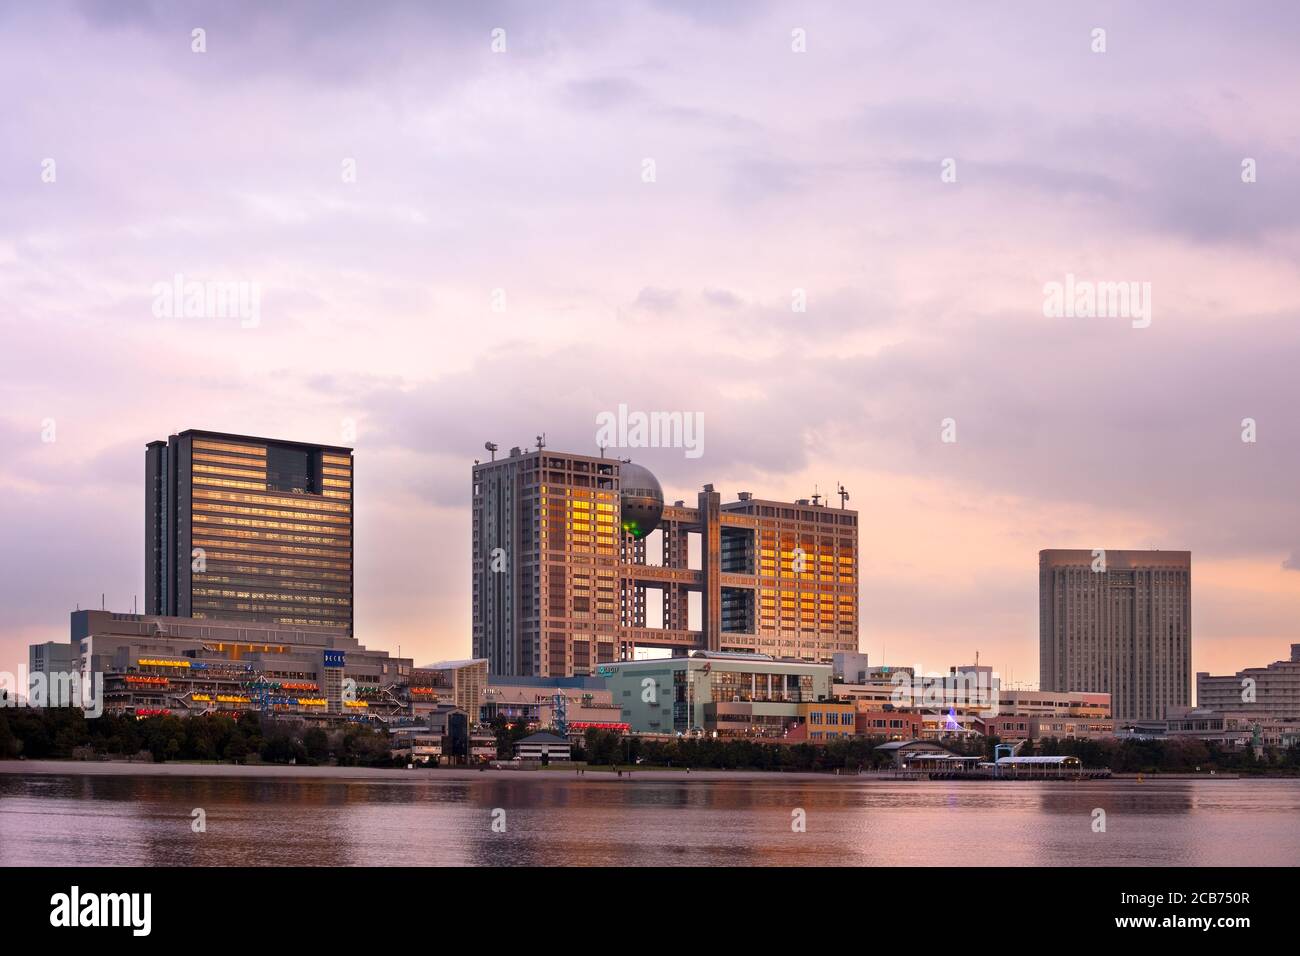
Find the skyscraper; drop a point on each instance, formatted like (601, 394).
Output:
(1117, 622)
(571, 552)
(546, 544)
(245, 528)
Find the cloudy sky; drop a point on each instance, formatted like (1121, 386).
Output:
(774, 170)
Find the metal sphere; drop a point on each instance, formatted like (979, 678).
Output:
(641, 500)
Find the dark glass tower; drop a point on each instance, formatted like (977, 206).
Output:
(252, 529)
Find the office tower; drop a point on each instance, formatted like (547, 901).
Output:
(243, 528)
(1117, 622)
(569, 552)
(545, 563)
(1271, 692)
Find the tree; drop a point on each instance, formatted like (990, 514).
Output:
(316, 743)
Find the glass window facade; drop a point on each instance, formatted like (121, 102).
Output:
(249, 529)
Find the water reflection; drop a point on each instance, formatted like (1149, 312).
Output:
(145, 820)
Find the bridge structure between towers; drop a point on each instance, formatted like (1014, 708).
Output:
(771, 577)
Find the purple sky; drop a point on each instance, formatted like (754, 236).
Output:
(775, 171)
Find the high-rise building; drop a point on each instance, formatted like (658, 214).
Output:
(569, 549)
(1268, 692)
(1119, 623)
(243, 528)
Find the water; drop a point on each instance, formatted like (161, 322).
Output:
(134, 816)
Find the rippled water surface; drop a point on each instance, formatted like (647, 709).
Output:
(125, 816)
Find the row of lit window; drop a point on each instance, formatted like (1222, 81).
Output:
(261, 574)
(331, 541)
(343, 535)
(325, 618)
(280, 597)
(264, 559)
(209, 458)
(210, 577)
(296, 502)
(214, 508)
(265, 546)
(227, 446)
(252, 472)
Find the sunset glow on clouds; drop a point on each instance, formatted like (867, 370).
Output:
(775, 171)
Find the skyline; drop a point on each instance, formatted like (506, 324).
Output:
(1007, 677)
(522, 172)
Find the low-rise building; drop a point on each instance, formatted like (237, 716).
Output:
(829, 720)
(543, 746)
(870, 721)
(1236, 729)
(172, 665)
(587, 703)
(683, 695)
(1271, 692)
(458, 682)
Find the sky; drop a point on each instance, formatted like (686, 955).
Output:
(557, 208)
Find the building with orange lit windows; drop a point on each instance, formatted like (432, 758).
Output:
(578, 562)
(248, 529)
(829, 720)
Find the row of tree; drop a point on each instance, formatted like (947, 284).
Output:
(65, 732)
(601, 747)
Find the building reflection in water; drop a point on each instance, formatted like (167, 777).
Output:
(146, 820)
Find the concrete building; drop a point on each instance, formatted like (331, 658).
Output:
(180, 665)
(51, 657)
(1037, 726)
(890, 724)
(251, 529)
(568, 549)
(1271, 692)
(459, 682)
(1045, 703)
(1117, 622)
(716, 691)
(442, 736)
(587, 703)
(850, 667)
(828, 720)
(1230, 728)
(543, 746)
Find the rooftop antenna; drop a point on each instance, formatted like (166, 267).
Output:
(844, 495)
(816, 498)
(492, 447)
(541, 441)
(602, 451)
